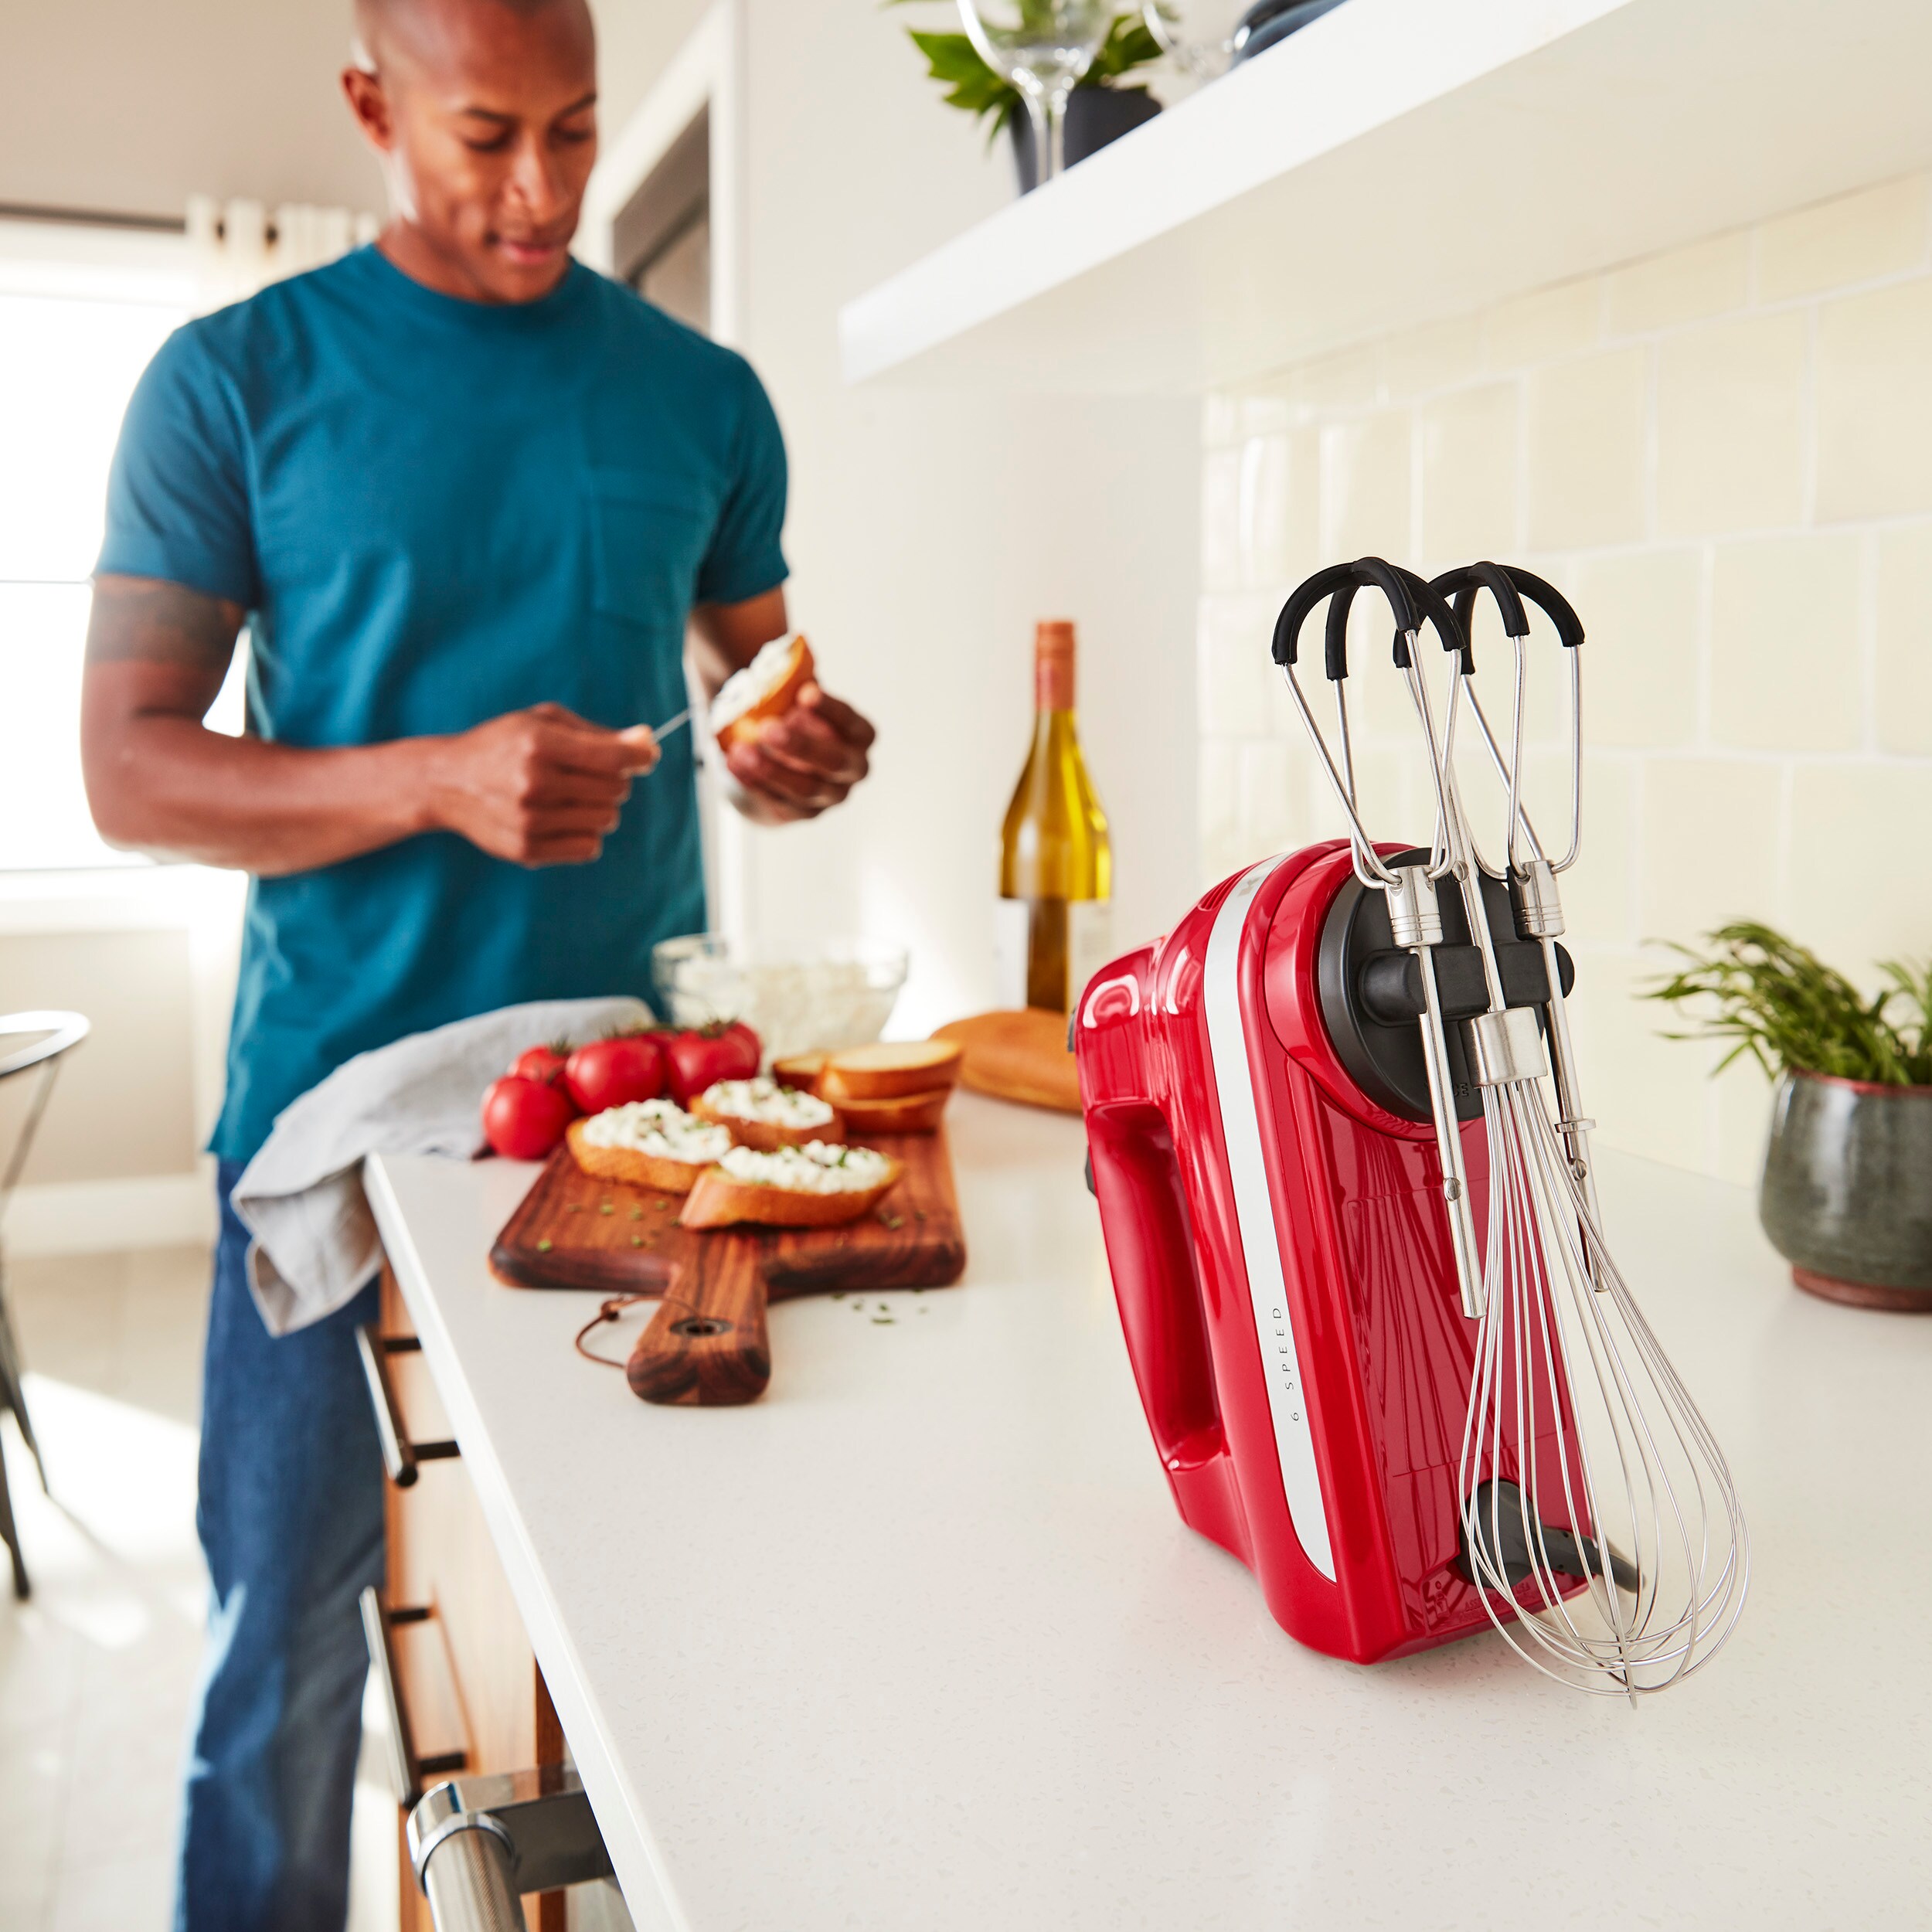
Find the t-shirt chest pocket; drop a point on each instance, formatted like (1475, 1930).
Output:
(648, 536)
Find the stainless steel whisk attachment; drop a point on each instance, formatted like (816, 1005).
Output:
(1598, 1519)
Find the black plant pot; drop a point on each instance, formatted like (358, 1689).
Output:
(1095, 116)
(1847, 1194)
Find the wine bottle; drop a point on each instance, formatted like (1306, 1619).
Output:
(1056, 860)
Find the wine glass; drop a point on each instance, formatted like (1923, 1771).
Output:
(1042, 47)
(1200, 50)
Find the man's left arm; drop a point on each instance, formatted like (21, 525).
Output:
(801, 763)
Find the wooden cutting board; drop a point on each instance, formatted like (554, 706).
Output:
(706, 1344)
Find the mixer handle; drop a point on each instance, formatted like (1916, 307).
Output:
(1152, 1257)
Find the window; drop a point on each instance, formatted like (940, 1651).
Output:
(80, 314)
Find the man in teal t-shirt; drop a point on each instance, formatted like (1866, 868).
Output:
(467, 496)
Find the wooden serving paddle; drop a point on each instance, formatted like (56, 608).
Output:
(706, 1344)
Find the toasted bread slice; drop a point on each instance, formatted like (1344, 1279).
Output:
(718, 1201)
(767, 1136)
(891, 1069)
(903, 1113)
(631, 1163)
(800, 1070)
(775, 703)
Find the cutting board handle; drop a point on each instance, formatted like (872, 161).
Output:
(706, 1347)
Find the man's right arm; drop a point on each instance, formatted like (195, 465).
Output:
(541, 786)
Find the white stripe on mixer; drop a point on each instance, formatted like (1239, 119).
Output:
(1254, 1214)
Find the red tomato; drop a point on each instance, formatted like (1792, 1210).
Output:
(541, 1063)
(523, 1119)
(696, 1058)
(611, 1073)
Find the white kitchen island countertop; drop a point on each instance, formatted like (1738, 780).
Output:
(918, 1643)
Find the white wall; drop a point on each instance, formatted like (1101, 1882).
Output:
(929, 531)
(134, 104)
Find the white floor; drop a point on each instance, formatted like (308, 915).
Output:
(97, 1670)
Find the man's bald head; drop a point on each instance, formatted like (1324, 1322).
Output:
(421, 28)
(484, 112)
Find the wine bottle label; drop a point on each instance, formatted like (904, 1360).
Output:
(1012, 937)
(1089, 943)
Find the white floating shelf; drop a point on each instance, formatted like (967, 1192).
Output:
(1399, 161)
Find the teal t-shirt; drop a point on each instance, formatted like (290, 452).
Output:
(435, 511)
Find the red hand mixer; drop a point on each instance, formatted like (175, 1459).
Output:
(1387, 1358)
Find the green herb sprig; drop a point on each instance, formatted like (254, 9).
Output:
(1780, 1003)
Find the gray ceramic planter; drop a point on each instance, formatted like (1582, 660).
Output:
(1847, 1194)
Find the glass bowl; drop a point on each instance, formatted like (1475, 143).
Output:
(811, 998)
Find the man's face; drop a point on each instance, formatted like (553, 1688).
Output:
(486, 116)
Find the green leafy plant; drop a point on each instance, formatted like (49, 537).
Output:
(1790, 1012)
(971, 86)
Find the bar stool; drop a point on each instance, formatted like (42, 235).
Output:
(60, 1033)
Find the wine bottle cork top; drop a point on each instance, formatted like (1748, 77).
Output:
(1053, 664)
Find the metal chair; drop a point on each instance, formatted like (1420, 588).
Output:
(60, 1033)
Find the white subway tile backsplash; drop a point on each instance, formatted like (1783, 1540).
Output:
(1786, 669)
(1586, 445)
(1234, 667)
(1874, 402)
(1346, 380)
(1221, 519)
(1904, 694)
(1435, 357)
(1552, 321)
(1709, 852)
(1861, 867)
(1729, 409)
(1364, 466)
(1721, 454)
(1469, 474)
(1648, 1095)
(1640, 610)
(1272, 800)
(1218, 779)
(1277, 503)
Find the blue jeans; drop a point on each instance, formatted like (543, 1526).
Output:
(291, 1519)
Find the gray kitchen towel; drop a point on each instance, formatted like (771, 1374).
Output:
(301, 1196)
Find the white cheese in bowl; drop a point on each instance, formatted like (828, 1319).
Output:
(764, 1099)
(813, 1168)
(661, 1127)
(753, 684)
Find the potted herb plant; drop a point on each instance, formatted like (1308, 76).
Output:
(1846, 1196)
(1099, 111)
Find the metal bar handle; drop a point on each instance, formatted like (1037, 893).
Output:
(407, 1770)
(476, 1843)
(399, 1455)
(468, 1882)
